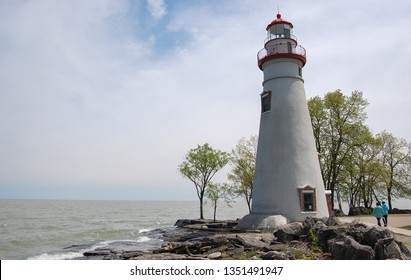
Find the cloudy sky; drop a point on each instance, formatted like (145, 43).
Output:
(101, 99)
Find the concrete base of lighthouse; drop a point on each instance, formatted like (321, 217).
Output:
(261, 222)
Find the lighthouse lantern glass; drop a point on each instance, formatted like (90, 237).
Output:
(280, 30)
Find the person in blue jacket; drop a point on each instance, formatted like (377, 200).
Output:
(378, 213)
(385, 213)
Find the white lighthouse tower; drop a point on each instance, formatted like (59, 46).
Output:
(288, 185)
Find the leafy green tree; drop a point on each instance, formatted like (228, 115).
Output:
(243, 168)
(355, 165)
(319, 121)
(336, 121)
(364, 171)
(200, 166)
(215, 192)
(396, 158)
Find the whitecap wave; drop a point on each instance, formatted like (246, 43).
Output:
(58, 256)
(145, 230)
(142, 239)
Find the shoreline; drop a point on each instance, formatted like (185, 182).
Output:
(316, 239)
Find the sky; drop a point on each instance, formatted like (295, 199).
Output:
(101, 99)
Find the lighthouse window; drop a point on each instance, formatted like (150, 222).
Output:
(287, 32)
(265, 101)
(307, 199)
(300, 72)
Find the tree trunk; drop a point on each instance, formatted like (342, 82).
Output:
(201, 208)
(339, 203)
(215, 210)
(249, 204)
(389, 199)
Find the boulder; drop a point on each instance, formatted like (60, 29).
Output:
(180, 249)
(252, 241)
(275, 255)
(324, 234)
(374, 233)
(356, 211)
(389, 248)
(162, 256)
(289, 232)
(213, 241)
(235, 251)
(310, 222)
(346, 248)
(131, 254)
(214, 256)
(187, 222)
(332, 221)
(97, 252)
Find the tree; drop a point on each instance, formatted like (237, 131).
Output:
(200, 166)
(336, 121)
(364, 170)
(216, 191)
(319, 122)
(396, 158)
(355, 165)
(243, 172)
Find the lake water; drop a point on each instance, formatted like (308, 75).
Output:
(61, 229)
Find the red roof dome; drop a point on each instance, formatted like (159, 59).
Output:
(279, 20)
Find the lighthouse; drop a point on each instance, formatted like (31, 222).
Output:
(288, 185)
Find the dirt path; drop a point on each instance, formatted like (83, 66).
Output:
(394, 220)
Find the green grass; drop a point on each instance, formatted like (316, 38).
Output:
(407, 227)
(313, 238)
(247, 256)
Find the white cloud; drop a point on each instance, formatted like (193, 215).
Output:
(157, 9)
(89, 95)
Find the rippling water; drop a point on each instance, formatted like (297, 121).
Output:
(60, 229)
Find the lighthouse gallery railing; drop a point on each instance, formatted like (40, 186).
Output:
(281, 49)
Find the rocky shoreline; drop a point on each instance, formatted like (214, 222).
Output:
(313, 239)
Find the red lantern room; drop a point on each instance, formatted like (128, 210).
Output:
(280, 43)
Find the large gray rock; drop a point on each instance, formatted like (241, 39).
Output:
(325, 233)
(357, 231)
(333, 221)
(214, 256)
(274, 255)
(261, 222)
(310, 222)
(374, 233)
(346, 248)
(235, 251)
(252, 241)
(289, 232)
(131, 254)
(162, 256)
(389, 248)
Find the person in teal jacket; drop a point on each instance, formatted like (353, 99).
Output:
(378, 213)
(385, 213)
